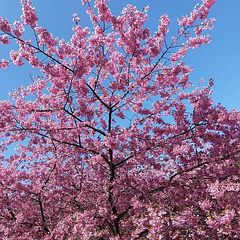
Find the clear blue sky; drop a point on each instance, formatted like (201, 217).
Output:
(220, 60)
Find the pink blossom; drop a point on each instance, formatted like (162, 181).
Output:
(18, 29)
(205, 205)
(164, 24)
(45, 37)
(103, 10)
(4, 64)
(194, 42)
(180, 53)
(146, 33)
(29, 15)
(200, 11)
(4, 25)
(4, 39)
(16, 58)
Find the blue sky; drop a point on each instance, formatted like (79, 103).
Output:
(219, 60)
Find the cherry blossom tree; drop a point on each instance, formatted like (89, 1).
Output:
(112, 140)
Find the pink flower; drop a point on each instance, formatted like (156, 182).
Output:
(164, 24)
(29, 15)
(4, 39)
(18, 29)
(205, 205)
(16, 58)
(146, 33)
(194, 42)
(4, 25)
(45, 37)
(200, 11)
(4, 64)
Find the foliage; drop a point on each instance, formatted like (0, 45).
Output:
(113, 141)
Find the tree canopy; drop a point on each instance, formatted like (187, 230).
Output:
(112, 141)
